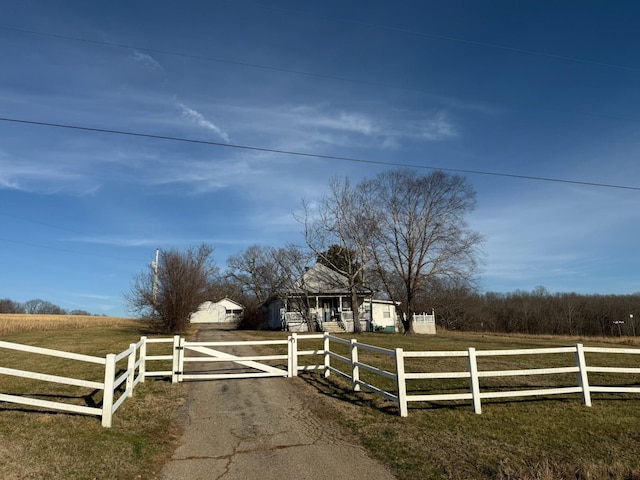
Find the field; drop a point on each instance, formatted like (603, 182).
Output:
(12, 323)
(36, 444)
(542, 438)
(530, 438)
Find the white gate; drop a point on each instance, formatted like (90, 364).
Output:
(226, 365)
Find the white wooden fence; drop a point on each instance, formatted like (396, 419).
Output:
(110, 384)
(398, 381)
(402, 379)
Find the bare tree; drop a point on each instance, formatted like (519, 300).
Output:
(9, 306)
(421, 232)
(182, 284)
(42, 307)
(260, 271)
(339, 233)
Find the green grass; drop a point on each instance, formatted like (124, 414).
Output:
(41, 443)
(553, 437)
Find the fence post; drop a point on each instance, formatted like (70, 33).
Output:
(181, 352)
(107, 393)
(289, 356)
(327, 358)
(474, 381)
(355, 370)
(176, 359)
(293, 355)
(583, 378)
(131, 367)
(402, 383)
(143, 359)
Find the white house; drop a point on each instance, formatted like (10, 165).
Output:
(322, 295)
(223, 311)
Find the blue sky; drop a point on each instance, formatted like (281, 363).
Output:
(541, 89)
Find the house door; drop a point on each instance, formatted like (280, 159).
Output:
(326, 311)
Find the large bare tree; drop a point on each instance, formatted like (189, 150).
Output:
(420, 233)
(181, 285)
(339, 231)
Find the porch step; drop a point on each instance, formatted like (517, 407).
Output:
(332, 327)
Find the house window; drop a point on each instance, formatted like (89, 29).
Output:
(385, 312)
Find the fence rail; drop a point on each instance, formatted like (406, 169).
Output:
(352, 366)
(339, 356)
(111, 384)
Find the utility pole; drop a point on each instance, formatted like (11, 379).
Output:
(154, 266)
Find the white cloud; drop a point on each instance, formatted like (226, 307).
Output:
(30, 175)
(197, 118)
(147, 61)
(389, 128)
(437, 127)
(344, 121)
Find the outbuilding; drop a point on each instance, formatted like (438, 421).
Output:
(222, 311)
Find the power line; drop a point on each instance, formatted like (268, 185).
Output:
(467, 41)
(315, 155)
(66, 250)
(37, 222)
(324, 75)
(337, 77)
(450, 38)
(210, 59)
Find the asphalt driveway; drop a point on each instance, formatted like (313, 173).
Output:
(265, 429)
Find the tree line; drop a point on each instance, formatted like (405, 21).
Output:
(535, 312)
(36, 306)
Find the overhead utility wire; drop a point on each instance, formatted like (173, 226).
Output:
(314, 155)
(452, 38)
(210, 59)
(66, 250)
(316, 74)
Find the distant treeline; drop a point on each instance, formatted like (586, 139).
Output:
(36, 307)
(538, 312)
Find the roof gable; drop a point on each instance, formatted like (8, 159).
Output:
(321, 278)
(225, 303)
(230, 304)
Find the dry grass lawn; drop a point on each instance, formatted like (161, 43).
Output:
(39, 443)
(542, 438)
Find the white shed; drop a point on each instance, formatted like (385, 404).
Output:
(223, 311)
